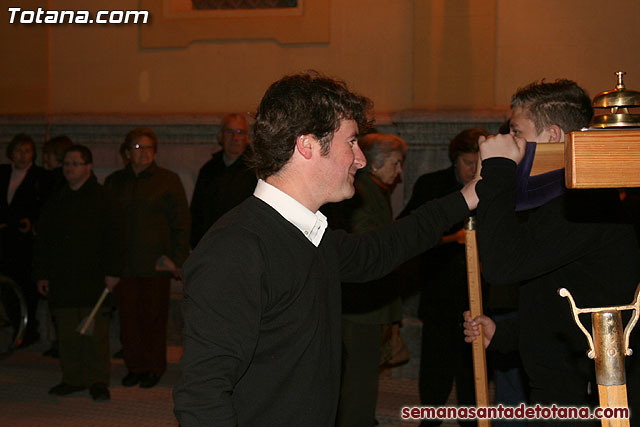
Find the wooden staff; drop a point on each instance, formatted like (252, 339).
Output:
(475, 308)
(610, 374)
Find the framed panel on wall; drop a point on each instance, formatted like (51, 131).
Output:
(177, 23)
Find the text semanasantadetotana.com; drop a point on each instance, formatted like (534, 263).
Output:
(522, 412)
(44, 16)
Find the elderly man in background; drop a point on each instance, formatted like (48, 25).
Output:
(225, 180)
(76, 257)
(156, 243)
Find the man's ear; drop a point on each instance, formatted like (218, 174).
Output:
(304, 145)
(556, 134)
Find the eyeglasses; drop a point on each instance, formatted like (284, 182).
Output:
(143, 147)
(239, 132)
(73, 164)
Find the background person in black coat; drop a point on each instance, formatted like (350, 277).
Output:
(76, 257)
(225, 180)
(24, 188)
(443, 293)
(53, 154)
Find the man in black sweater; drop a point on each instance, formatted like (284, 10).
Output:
(532, 230)
(262, 289)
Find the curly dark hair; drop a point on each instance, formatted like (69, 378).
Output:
(302, 104)
(561, 103)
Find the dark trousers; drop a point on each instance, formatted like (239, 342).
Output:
(445, 357)
(360, 370)
(143, 303)
(84, 358)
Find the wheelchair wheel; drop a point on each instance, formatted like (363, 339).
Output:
(13, 316)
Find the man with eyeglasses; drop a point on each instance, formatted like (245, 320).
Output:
(225, 180)
(76, 257)
(156, 243)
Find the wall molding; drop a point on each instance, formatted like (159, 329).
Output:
(187, 140)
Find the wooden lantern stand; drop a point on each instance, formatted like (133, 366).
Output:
(592, 158)
(600, 158)
(605, 159)
(608, 347)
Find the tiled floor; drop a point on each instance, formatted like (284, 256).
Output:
(26, 376)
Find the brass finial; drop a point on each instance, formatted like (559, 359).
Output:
(620, 85)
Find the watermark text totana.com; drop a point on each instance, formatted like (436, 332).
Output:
(18, 15)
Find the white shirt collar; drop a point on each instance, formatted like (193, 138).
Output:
(312, 225)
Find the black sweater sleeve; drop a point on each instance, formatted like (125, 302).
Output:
(371, 255)
(220, 334)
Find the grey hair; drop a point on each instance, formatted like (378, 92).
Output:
(377, 147)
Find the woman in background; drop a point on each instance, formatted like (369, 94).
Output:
(24, 188)
(442, 275)
(367, 307)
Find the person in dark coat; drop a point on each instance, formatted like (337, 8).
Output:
(225, 180)
(156, 219)
(24, 187)
(53, 152)
(76, 258)
(444, 356)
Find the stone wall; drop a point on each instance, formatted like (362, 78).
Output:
(186, 141)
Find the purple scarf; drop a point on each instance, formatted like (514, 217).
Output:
(535, 191)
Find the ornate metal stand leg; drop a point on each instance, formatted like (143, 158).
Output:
(608, 347)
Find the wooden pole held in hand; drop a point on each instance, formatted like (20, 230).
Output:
(475, 308)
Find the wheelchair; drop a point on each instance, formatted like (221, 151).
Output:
(13, 316)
